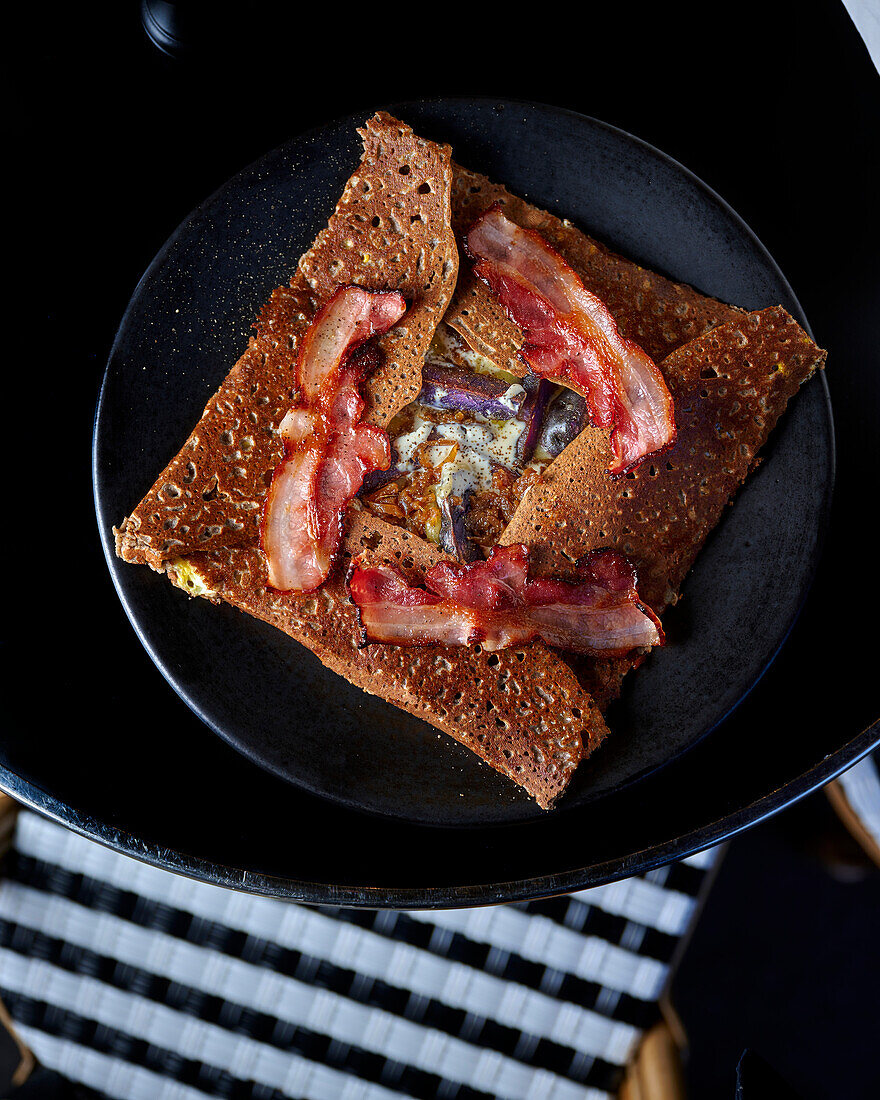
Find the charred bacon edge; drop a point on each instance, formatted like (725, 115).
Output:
(430, 598)
(363, 356)
(618, 467)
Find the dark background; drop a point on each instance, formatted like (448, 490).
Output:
(110, 145)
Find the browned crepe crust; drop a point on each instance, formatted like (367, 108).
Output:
(657, 313)
(661, 513)
(390, 231)
(522, 711)
(729, 386)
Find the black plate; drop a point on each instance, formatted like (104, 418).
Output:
(189, 319)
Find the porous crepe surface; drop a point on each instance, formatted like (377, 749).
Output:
(730, 387)
(657, 313)
(521, 711)
(658, 516)
(390, 231)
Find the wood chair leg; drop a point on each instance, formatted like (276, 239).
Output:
(655, 1072)
(8, 813)
(16, 1061)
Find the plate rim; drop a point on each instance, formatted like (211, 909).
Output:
(424, 898)
(532, 886)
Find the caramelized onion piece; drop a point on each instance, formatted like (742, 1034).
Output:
(571, 337)
(497, 604)
(327, 448)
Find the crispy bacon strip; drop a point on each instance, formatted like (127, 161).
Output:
(572, 338)
(328, 450)
(497, 604)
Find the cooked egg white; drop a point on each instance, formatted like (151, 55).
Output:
(482, 442)
(406, 445)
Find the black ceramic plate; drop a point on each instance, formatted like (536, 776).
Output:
(189, 320)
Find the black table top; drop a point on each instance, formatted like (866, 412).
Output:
(777, 107)
(777, 113)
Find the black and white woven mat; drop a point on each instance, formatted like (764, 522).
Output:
(142, 984)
